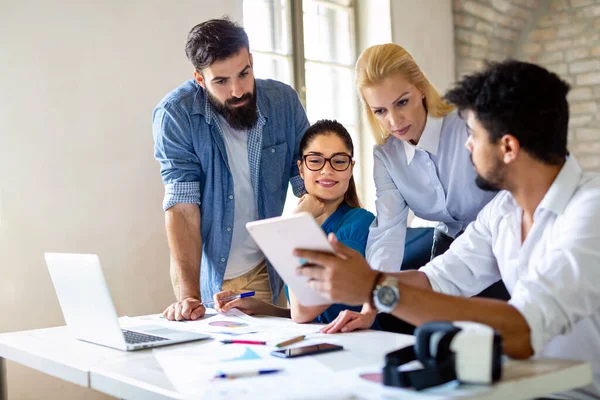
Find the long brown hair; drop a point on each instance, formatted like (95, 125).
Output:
(332, 127)
(378, 62)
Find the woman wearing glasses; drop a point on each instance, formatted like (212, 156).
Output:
(326, 167)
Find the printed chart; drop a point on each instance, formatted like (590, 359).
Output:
(228, 324)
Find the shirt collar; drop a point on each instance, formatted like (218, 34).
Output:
(430, 139)
(564, 186)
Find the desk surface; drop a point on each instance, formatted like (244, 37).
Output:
(137, 375)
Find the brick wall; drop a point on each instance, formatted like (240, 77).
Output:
(489, 30)
(561, 35)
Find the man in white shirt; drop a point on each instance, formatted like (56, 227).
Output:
(539, 234)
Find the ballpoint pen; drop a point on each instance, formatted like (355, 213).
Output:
(229, 298)
(246, 373)
(291, 341)
(229, 341)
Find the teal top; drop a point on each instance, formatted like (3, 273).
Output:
(350, 225)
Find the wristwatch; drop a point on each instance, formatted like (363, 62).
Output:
(386, 295)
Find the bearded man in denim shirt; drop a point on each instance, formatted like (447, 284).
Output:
(227, 145)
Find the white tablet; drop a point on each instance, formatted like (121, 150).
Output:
(278, 237)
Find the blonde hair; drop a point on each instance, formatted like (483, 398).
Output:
(377, 63)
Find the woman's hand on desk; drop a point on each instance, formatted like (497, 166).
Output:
(189, 308)
(247, 305)
(348, 321)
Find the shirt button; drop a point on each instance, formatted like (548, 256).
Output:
(437, 187)
(230, 197)
(429, 163)
(228, 229)
(272, 150)
(222, 260)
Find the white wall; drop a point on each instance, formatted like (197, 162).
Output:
(78, 83)
(426, 29)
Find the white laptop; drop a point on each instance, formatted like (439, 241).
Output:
(90, 313)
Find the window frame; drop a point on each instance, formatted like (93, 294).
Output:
(295, 15)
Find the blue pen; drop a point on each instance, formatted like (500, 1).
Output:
(235, 375)
(229, 298)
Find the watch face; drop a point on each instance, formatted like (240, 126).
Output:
(386, 296)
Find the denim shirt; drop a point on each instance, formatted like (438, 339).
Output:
(193, 164)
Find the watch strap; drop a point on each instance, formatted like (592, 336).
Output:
(375, 285)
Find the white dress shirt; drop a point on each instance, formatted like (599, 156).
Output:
(553, 276)
(435, 179)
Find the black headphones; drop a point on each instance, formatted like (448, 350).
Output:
(433, 349)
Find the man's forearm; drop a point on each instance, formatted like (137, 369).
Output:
(276, 311)
(414, 278)
(185, 242)
(418, 306)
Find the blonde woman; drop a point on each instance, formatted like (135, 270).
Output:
(420, 161)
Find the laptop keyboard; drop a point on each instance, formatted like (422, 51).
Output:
(136, 337)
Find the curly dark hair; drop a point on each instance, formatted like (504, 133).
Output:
(521, 99)
(214, 40)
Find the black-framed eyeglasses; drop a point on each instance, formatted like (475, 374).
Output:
(339, 162)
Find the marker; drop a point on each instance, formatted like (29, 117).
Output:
(229, 298)
(291, 341)
(228, 341)
(235, 375)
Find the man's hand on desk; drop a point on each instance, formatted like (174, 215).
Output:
(190, 308)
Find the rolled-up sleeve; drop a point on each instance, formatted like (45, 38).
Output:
(563, 287)
(181, 192)
(387, 234)
(174, 150)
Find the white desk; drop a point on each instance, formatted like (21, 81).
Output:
(53, 352)
(137, 375)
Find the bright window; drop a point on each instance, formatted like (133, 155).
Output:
(268, 25)
(310, 45)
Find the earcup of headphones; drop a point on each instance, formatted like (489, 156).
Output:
(443, 346)
(427, 352)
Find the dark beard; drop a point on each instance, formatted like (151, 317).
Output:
(239, 118)
(486, 185)
(493, 183)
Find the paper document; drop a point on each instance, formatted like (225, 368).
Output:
(274, 334)
(191, 370)
(231, 323)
